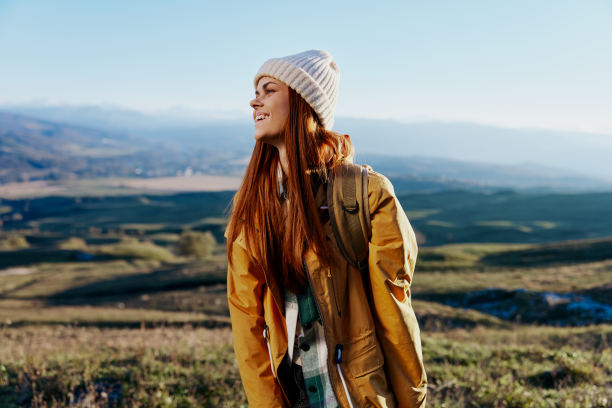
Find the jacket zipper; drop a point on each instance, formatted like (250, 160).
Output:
(266, 334)
(338, 346)
(333, 285)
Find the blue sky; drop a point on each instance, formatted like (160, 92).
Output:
(543, 63)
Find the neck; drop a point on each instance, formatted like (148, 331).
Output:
(282, 154)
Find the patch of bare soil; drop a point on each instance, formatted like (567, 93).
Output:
(16, 271)
(190, 183)
(119, 186)
(29, 188)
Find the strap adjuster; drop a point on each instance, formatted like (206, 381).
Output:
(351, 209)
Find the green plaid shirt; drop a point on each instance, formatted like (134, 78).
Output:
(307, 345)
(310, 349)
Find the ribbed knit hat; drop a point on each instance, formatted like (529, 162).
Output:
(313, 74)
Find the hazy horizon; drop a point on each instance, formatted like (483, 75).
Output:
(571, 154)
(203, 116)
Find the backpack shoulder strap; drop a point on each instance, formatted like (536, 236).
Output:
(349, 212)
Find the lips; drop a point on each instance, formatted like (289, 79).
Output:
(259, 116)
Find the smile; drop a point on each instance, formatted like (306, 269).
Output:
(261, 116)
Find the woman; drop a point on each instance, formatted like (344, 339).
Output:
(304, 332)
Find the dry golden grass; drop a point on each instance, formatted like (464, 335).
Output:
(517, 366)
(91, 367)
(27, 313)
(37, 343)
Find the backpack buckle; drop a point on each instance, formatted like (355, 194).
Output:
(351, 209)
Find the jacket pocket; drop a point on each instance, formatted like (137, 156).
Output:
(365, 356)
(367, 372)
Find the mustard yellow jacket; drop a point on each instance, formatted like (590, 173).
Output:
(382, 363)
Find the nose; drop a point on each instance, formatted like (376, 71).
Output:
(255, 103)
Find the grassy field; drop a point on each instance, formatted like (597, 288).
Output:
(440, 218)
(151, 333)
(506, 216)
(187, 366)
(99, 309)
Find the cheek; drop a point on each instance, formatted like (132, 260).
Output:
(283, 114)
(283, 107)
(282, 120)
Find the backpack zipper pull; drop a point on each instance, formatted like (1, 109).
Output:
(338, 360)
(266, 335)
(338, 354)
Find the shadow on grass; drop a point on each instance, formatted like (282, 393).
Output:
(438, 323)
(177, 276)
(7, 293)
(33, 256)
(552, 254)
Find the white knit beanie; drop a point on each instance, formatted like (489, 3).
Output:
(313, 74)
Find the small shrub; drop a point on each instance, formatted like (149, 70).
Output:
(197, 244)
(73, 243)
(13, 241)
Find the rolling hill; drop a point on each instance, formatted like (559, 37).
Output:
(35, 149)
(125, 144)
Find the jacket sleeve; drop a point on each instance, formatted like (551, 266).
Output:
(245, 286)
(392, 257)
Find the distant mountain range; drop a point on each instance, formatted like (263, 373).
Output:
(410, 172)
(182, 132)
(35, 149)
(568, 153)
(63, 142)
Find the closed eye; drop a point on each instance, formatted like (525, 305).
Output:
(266, 88)
(266, 91)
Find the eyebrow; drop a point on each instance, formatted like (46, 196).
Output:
(265, 85)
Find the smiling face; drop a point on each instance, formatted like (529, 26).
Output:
(270, 110)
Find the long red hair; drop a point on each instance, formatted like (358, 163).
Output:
(273, 241)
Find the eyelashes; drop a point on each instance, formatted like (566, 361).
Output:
(266, 91)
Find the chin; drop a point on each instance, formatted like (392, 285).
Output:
(273, 139)
(259, 137)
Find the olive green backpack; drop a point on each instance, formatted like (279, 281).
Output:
(349, 212)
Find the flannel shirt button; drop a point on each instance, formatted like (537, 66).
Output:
(312, 389)
(305, 346)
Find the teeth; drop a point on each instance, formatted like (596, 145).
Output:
(260, 117)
